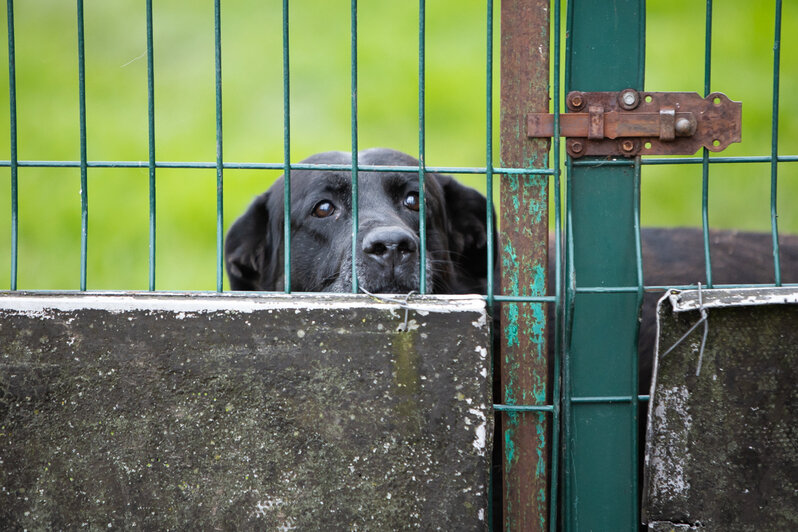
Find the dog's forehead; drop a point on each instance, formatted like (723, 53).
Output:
(341, 181)
(328, 180)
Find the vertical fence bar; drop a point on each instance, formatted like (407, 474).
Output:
(705, 155)
(569, 286)
(774, 146)
(151, 135)
(558, 307)
(524, 220)
(217, 24)
(605, 52)
(355, 217)
(489, 153)
(286, 156)
(422, 215)
(84, 197)
(12, 100)
(493, 490)
(634, 374)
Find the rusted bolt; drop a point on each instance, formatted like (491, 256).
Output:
(577, 146)
(628, 99)
(627, 146)
(576, 101)
(683, 127)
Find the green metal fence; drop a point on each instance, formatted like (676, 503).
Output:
(590, 480)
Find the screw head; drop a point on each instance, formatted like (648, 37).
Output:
(576, 101)
(628, 99)
(627, 145)
(577, 146)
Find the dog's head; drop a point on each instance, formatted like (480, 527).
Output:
(387, 249)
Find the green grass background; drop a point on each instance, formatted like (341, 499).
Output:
(116, 80)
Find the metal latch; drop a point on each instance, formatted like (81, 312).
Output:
(631, 123)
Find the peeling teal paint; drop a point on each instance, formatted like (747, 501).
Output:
(510, 388)
(509, 440)
(510, 260)
(538, 321)
(539, 282)
(535, 210)
(540, 390)
(511, 329)
(542, 505)
(540, 470)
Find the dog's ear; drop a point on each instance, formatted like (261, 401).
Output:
(466, 212)
(250, 247)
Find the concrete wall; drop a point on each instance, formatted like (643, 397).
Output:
(240, 412)
(721, 451)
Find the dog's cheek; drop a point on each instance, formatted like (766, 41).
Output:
(456, 239)
(342, 276)
(333, 268)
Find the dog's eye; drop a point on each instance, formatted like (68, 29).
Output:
(411, 201)
(323, 209)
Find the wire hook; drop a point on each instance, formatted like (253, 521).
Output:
(704, 320)
(404, 304)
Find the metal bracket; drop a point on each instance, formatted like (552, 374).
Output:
(631, 123)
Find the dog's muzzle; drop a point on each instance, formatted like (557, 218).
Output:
(390, 259)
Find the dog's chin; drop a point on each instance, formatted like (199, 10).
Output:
(371, 281)
(343, 283)
(390, 288)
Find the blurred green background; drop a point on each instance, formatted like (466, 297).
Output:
(116, 80)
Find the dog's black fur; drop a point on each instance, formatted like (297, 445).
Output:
(388, 228)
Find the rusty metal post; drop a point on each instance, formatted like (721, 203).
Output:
(524, 241)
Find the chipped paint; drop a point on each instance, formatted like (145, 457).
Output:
(480, 432)
(38, 304)
(687, 300)
(669, 459)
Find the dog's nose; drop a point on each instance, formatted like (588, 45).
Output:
(390, 245)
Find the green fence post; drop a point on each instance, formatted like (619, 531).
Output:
(151, 140)
(604, 52)
(13, 163)
(84, 193)
(217, 27)
(524, 247)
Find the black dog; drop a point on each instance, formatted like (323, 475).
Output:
(387, 255)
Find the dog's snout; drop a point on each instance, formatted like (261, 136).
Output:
(389, 245)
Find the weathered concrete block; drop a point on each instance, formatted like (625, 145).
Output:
(240, 412)
(721, 451)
